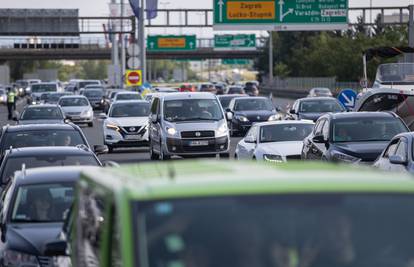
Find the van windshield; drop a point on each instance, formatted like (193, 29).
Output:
(269, 231)
(192, 110)
(40, 88)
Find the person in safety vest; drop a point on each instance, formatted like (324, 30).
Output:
(11, 103)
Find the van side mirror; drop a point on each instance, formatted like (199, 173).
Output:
(292, 111)
(319, 139)
(154, 118)
(100, 149)
(56, 248)
(396, 159)
(229, 116)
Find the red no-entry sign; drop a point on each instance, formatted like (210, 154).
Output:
(133, 77)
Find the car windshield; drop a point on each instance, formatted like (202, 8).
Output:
(40, 88)
(14, 164)
(42, 203)
(54, 97)
(73, 102)
(287, 230)
(42, 113)
(130, 110)
(192, 110)
(402, 105)
(320, 106)
(128, 97)
(284, 133)
(253, 104)
(225, 101)
(235, 90)
(43, 138)
(93, 93)
(367, 129)
(398, 73)
(83, 84)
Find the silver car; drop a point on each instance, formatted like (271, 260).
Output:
(187, 124)
(126, 124)
(41, 114)
(77, 109)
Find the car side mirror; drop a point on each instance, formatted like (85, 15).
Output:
(319, 139)
(396, 159)
(56, 248)
(292, 111)
(100, 149)
(229, 116)
(250, 140)
(154, 118)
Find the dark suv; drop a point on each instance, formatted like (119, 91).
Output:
(33, 209)
(352, 137)
(38, 135)
(35, 157)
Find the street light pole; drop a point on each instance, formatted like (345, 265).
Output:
(270, 56)
(123, 55)
(142, 41)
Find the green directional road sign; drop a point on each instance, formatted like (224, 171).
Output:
(235, 42)
(171, 42)
(280, 15)
(236, 61)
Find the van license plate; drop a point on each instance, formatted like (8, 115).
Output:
(199, 143)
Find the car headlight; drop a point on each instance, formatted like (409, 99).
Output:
(18, 259)
(34, 103)
(338, 156)
(113, 127)
(87, 113)
(274, 118)
(273, 158)
(171, 131)
(222, 130)
(21, 90)
(241, 118)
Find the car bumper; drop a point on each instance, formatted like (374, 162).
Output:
(121, 139)
(185, 147)
(77, 119)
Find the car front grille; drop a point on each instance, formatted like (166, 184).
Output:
(73, 113)
(45, 261)
(197, 134)
(134, 129)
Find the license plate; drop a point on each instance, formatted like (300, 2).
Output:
(132, 137)
(199, 143)
(75, 117)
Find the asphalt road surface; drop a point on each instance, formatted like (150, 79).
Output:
(123, 155)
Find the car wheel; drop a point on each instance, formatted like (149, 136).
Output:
(90, 124)
(153, 155)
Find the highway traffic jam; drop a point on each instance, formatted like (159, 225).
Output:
(322, 195)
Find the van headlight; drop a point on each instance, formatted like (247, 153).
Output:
(18, 259)
(223, 130)
(273, 158)
(171, 131)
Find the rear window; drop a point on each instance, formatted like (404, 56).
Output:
(42, 113)
(39, 88)
(128, 97)
(73, 102)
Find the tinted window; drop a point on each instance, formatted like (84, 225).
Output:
(235, 90)
(42, 203)
(43, 138)
(128, 97)
(284, 133)
(270, 231)
(38, 88)
(225, 101)
(130, 110)
(15, 164)
(73, 102)
(54, 97)
(93, 93)
(192, 110)
(320, 106)
(42, 113)
(253, 104)
(366, 129)
(401, 104)
(396, 74)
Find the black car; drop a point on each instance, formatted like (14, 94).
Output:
(35, 157)
(244, 111)
(251, 88)
(33, 209)
(40, 114)
(236, 90)
(95, 97)
(313, 108)
(38, 135)
(352, 137)
(226, 99)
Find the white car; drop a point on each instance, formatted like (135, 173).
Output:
(126, 124)
(77, 109)
(278, 141)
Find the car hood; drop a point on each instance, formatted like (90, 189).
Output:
(367, 151)
(281, 148)
(75, 109)
(128, 121)
(314, 116)
(25, 122)
(31, 238)
(256, 115)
